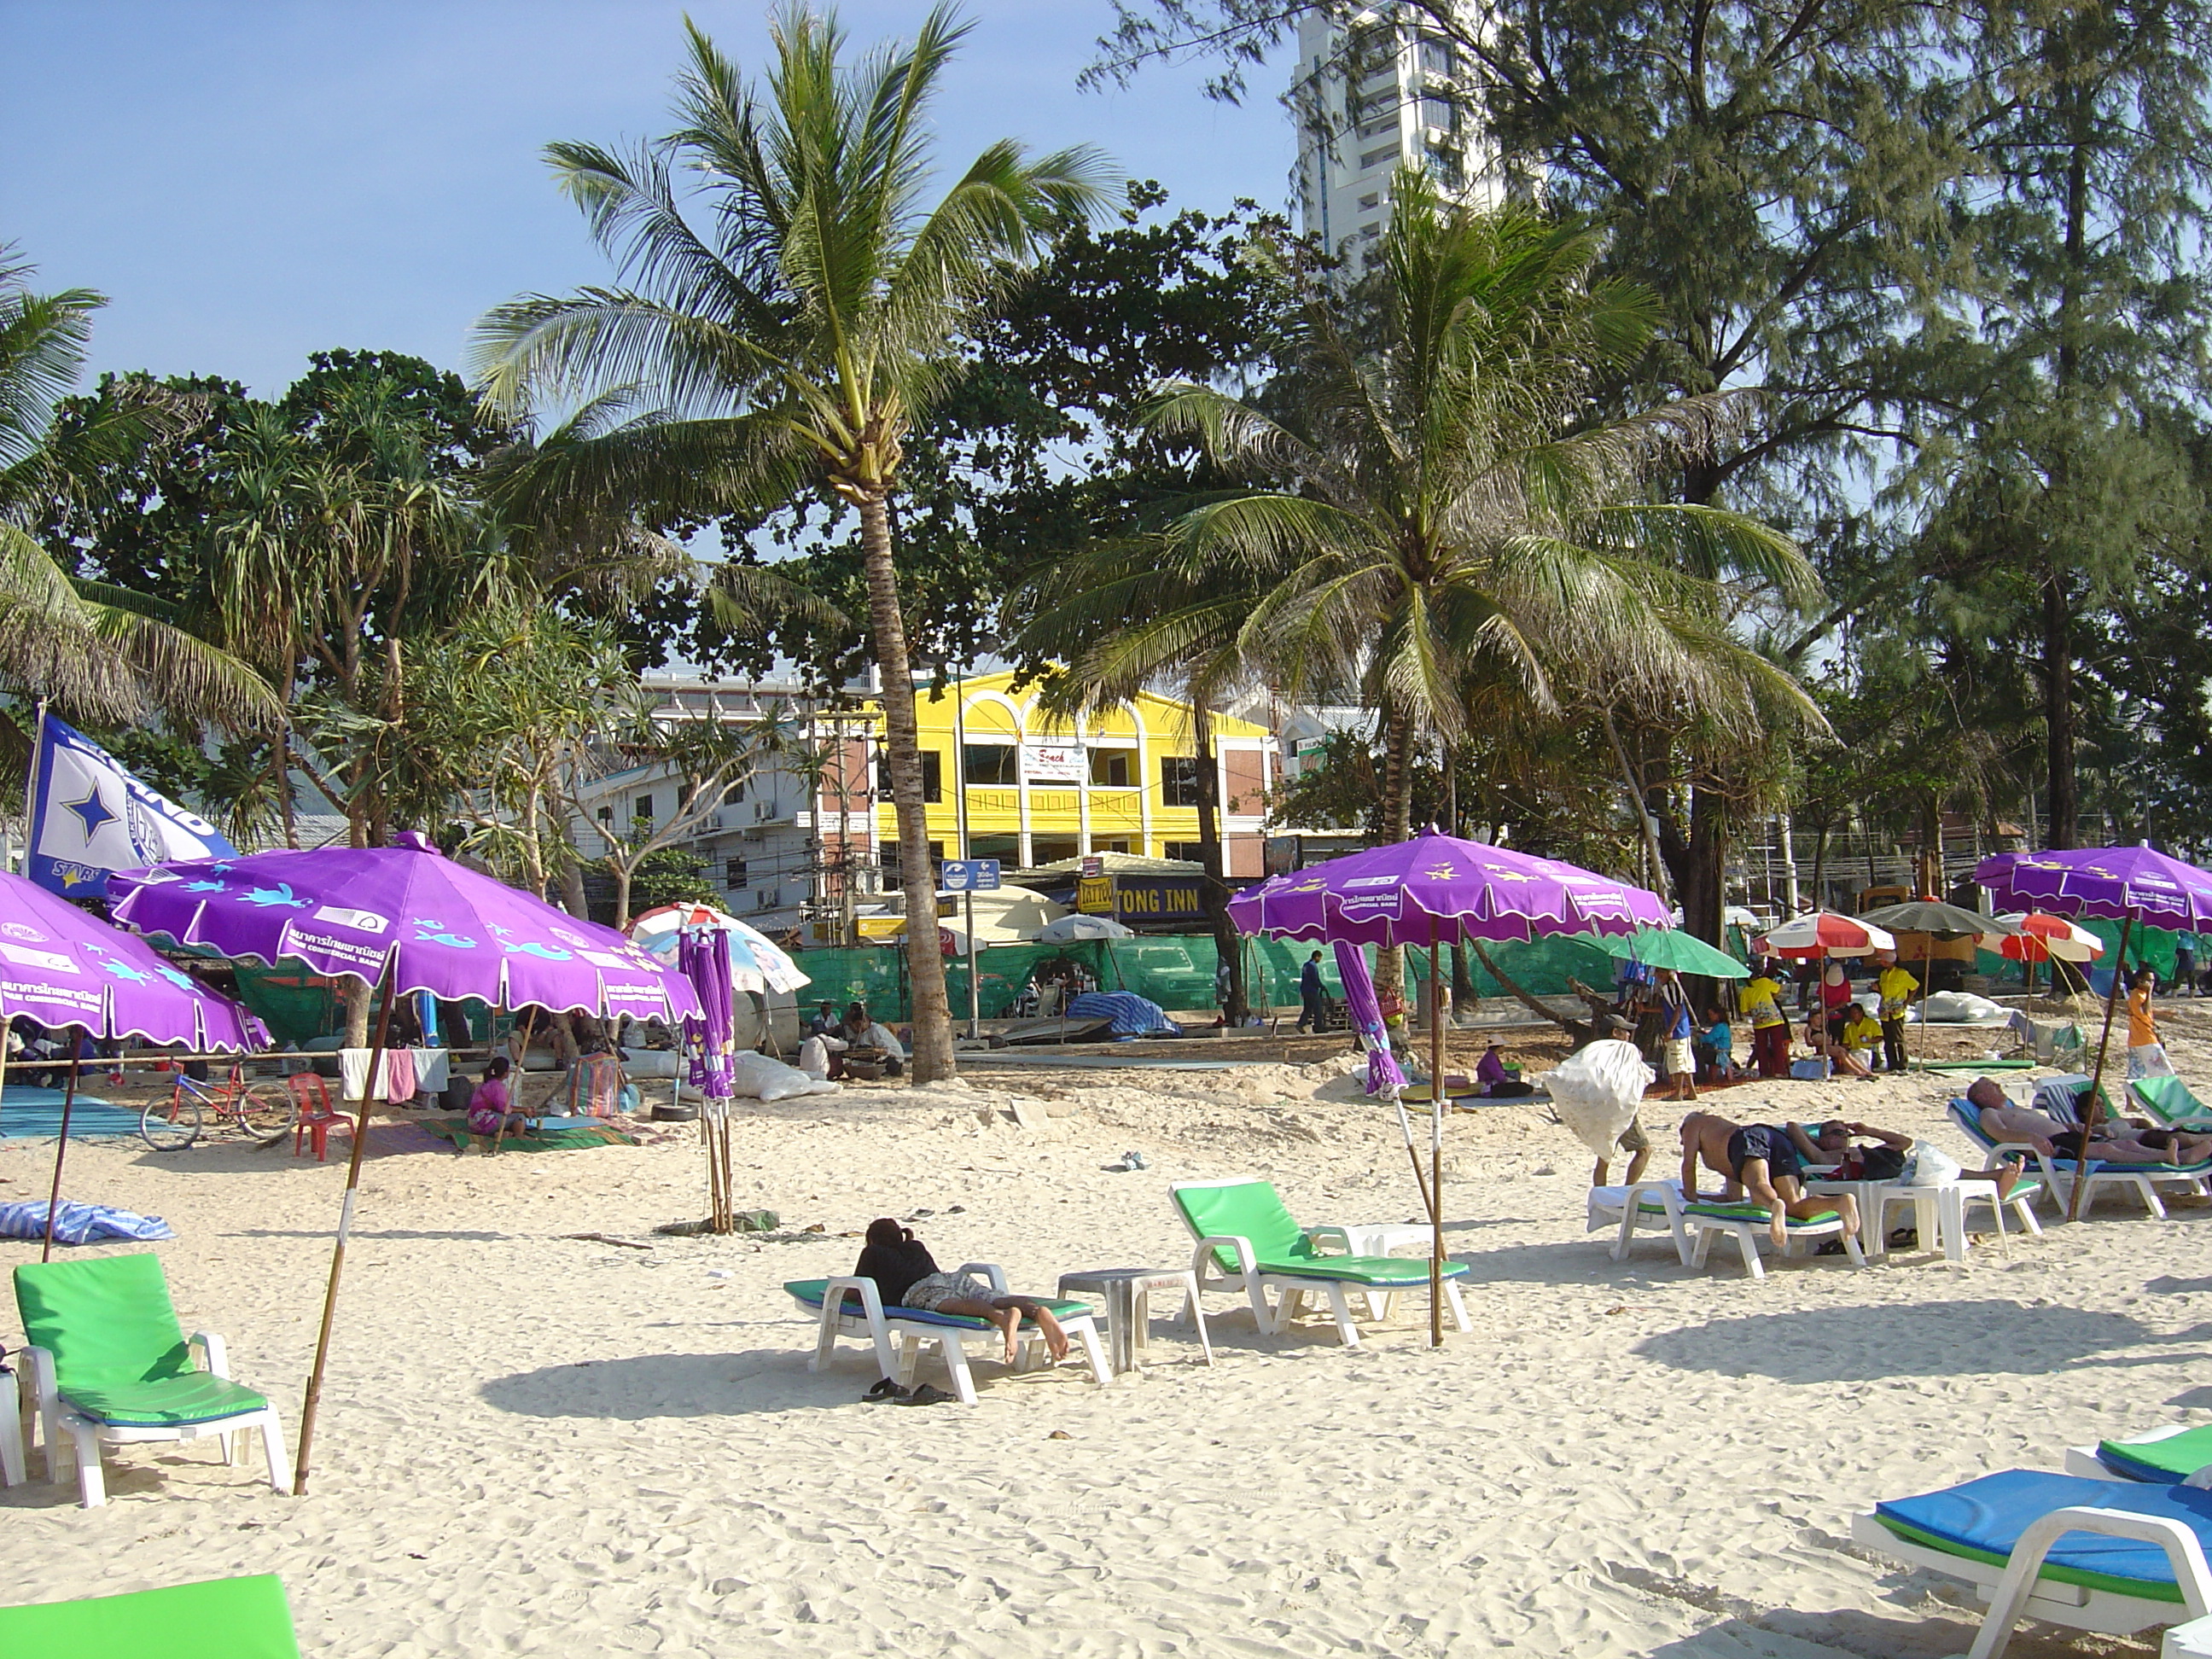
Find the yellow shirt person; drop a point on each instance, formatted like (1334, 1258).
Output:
(1762, 1001)
(1896, 986)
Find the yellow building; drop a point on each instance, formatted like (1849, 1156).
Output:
(1004, 781)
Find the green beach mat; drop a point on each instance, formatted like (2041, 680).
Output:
(1975, 1065)
(456, 1129)
(219, 1618)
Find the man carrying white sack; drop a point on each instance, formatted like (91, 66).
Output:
(1597, 1092)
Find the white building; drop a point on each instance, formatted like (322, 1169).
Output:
(1372, 93)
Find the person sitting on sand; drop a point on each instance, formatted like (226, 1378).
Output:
(1715, 1047)
(867, 1039)
(907, 1276)
(1862, 1035)
(489, 1106)
(1492, 1079)
(1766, 1162)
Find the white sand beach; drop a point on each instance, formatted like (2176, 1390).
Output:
(533, 1444)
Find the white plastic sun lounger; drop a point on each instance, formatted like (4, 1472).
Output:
(2054, 1546)
(1747, 1224)
(1656, 1204)
(854, 1307)
(2058, 1174)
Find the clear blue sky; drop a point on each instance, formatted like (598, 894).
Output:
(251, 180)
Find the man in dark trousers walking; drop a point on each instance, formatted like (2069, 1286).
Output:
(1311, 997)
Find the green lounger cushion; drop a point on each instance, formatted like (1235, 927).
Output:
(2174, 1458)
(221, 1619)
(1255, 1211)
(119, 1354)
(1363, 1270)
(1755, 1212)
(2169, 1100)
(811, 1291)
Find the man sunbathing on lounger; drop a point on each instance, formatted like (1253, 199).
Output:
(1767, 1162)
(1899, 1158)
(2115, 1142)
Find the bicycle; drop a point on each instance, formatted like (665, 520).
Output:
(263, 1112)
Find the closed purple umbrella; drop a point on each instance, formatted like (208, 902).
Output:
(411, 920)
(704, 954)
(2116, 884)
(65, 967)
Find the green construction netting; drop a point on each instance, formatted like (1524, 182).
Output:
(1176, 971)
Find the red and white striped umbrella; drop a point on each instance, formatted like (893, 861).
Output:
(2041, 937)
(1824, 934)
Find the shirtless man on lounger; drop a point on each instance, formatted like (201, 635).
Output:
(2115, 1142)
(1765, 1164)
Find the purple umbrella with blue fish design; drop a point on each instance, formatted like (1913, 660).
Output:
(409, 920)
(65, 967)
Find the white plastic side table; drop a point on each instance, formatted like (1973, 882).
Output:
(1939, 1213)
(1128, 1293)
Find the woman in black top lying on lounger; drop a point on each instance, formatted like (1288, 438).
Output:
(907, 1276)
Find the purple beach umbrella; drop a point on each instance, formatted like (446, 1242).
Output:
(1429, 891)
(2125, 884)
(407, 918)
(63, 967)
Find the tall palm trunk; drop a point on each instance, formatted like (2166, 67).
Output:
(1227, 943)
(1397, 825)
(931, 1008)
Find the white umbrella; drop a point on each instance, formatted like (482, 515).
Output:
(1068, 929)
(757, 963)
(1824, 933)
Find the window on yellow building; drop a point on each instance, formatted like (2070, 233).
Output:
(1192, 850)
(1179, 780)
(1114, 769)
(992, 764)
(932, 777)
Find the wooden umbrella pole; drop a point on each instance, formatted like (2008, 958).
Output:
(2089, 1112)
(391, 977)
(1927, 985)
(1436, 1092)
(69, 1099)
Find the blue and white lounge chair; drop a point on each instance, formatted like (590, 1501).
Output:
(2093, 1555)
(854, 1307)
(2143, 1179)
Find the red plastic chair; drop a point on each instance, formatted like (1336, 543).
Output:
(317, 1115)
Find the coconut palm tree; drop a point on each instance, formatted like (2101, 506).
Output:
(102, 653)
(791, 342)
(1434, 516)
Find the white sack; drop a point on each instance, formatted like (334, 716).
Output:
(1597, 1091)
(762, 1078)
(1960, 1008)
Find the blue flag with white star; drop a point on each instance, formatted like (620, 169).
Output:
(88, 817)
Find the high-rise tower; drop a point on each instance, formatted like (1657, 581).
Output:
(1372, 93)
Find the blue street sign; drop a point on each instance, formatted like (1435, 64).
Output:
(967, 876)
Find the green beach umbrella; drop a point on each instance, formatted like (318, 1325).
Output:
(1670, 947)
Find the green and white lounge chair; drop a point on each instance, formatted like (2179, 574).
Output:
(2168, 1099)
(1247, 1241)
(1657, 1203)
(108, 1365)
(1747, 1224)
(2162, 1456)
(221, 1619)
(2093, 1555)
(853, 1307)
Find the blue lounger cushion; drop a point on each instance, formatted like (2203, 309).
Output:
(809, 1292)
(1982, 1520)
